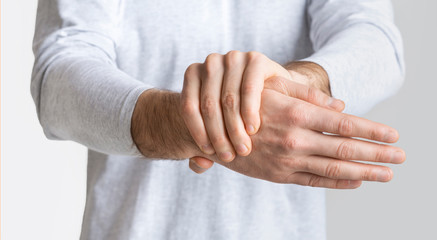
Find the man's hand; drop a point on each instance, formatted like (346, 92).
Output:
(158, 129)
(308, 74)
(290, 146)
(221, 100)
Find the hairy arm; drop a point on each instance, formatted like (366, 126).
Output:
(79, 92)
(310, 74)
(158, 128)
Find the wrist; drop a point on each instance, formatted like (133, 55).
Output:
(310, 74)
(158, 129)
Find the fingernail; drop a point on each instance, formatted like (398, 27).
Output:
(207, 149)
(397, 157)
(333, 103)
(250, 129)
(391, 136)
(383, 175)
(242, 149)
(226, 156)
(354, 184)
(195, 163)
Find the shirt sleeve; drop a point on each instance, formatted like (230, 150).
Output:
(79, 92)
(360, 48)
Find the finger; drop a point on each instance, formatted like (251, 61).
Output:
(212, 78)
(339, 169)
(234, 69)
(258, 69)
(191, 110)
(308, 179)
(202, 162)
(353, 149)
(195, 168)
(306, 93)
(324, 120)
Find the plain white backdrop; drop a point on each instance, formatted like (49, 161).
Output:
(43, 182)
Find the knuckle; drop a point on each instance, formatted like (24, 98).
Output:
(381, 155)
(333, 169)
(345, 126)
(212, 63)
(314, 181)
(230, 101)
(253, 56)
(233, 58)
(290, 143)
(367, 174)
(312, 95)
(208, 107)
(188, 108)
(298, 116)
(346, 150)
(191, 71)
(213, 57)
(248, 88)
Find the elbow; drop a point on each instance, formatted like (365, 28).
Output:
(44, 110)
(396, 74)
(47, 121)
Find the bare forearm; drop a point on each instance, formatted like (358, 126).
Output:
(158, 129)
(311, 74)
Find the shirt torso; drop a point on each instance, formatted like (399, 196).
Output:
(136, 198)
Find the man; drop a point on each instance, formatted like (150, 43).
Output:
(260, 111)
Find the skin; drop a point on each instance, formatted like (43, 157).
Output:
(224, 82)
(228, 90)
(288, 147)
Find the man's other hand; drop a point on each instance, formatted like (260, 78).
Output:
(221, 100)
(291, 146)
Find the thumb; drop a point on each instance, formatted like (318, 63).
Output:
(199, 164)
(304, 92)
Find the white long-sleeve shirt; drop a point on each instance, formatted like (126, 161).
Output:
(93, 58)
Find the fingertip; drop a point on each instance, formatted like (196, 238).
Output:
(402, 156)
(243, 149)
(353, 184)
(207, 149)
(195, 168)
(390, 175)
(251, 119)
(250, 129)
(348, 184)
(342, 106)
(392, 136)
(385, 175)
(201, 162)
(226, 156)
(199, 165)
(336, 104)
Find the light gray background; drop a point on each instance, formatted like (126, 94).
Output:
(43, 182)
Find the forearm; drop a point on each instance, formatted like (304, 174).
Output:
(79, 92)
(360, 49)
(310, 74)
(87, 101)
(158, 128)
